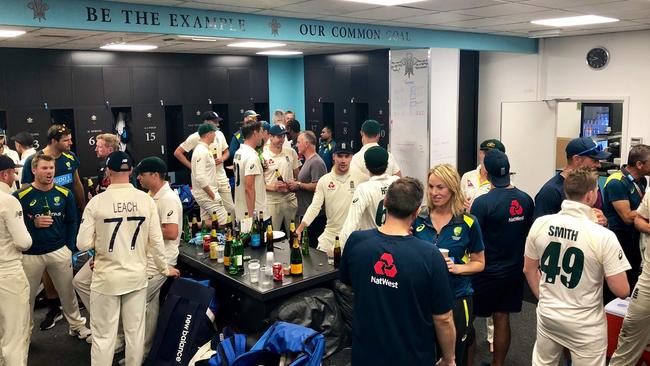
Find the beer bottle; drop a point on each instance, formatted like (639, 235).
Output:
(237, 257)
(46, 211)
(213, 236)
(244, 236)
(227, 251)
(337, 253)
(215, 221)
(305, 242)
(229, 222)
(256, 239)
(204, 229)
(269, 238)
(296, 259)
(279, 176)
(195, 227)
(187, 234)
(292, 231)
(260, 227)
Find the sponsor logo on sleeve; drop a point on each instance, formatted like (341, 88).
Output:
(170, 213)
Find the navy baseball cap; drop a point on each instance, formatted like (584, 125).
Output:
(340, 149)
(277, 130)
(6, 163)
(498, 167)
(265, 125)
(210, 116)
(119, 161)
(152, 164)
(585, 146)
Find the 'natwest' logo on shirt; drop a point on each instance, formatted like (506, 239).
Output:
(385, 266)
(516, 211)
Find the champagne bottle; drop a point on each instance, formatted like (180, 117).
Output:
(305, 242)
(195, 227)
(296, 258)
(227, 251)
(337, 253)
(292, 231)
(229, 222)
(260, 227)
(269, 238)
(237, 257)
(215, 221)
(256, 241)
(279, 176)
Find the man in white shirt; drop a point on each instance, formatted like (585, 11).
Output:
(219, 148)
(634, 336)
(123, 227)
(367, 209)
(14, 287)
(6, 150)
(281, 203)
(23, 142)
(567, 256)
(334, 190)
(250, 189)
(475, 182)
(204, 177)
(370, 135)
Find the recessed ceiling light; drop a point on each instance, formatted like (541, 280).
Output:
(546, 33)
(573, 21)
(6, 33)
(256, 44)
(128, 47)
(204, 39)
(385, 2)
(279, 53)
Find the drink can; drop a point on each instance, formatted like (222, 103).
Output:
(277, 271)
(206, 243)
(286, 269)
(213, 250)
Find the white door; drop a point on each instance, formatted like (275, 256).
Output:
(528, 133)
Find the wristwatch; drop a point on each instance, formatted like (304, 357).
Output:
(299, 184)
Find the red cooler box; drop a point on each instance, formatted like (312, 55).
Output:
(615, 312)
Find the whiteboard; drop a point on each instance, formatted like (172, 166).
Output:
(528, 133)
(409, 111)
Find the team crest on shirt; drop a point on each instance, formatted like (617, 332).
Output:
(67, 163)
(351, 184)
(19, 214)
(331, 186)
(32, 203)
(57, 201)
(270, 162)
(457, 231)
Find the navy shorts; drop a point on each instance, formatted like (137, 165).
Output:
(498, 295)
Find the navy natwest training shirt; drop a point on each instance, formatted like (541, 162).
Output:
(399, 282)
(505, 216)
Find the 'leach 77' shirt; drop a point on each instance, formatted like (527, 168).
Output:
(122, 225)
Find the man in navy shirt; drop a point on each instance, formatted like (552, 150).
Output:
(622, 194)
(581, 152)
(402, 297)
(505, 215)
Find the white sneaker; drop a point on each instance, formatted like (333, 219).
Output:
(82, 333)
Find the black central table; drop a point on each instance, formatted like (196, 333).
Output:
(252, 301)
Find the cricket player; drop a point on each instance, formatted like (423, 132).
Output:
(204, 177)
(567, 256)
(370, 135)
(50, 214)
(367, 210)
(281, 203)
(123, 226)
(335, 191)
(14, 287)
(250, 189)
(634, 336)
(219, 149)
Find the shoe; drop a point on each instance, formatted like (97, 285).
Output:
(52, 316)
(82, 333)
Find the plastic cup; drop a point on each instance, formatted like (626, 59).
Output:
(199, 250)
(254, 270)
(267, 276)
(220, 252)
(444, 252)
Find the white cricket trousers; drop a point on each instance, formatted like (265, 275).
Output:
(282, 212)
(547, 352)
(14, 319)
(105, 314)
(82, 282)
(208, 206)
(634, 336)
(223, 185)
(59, 266)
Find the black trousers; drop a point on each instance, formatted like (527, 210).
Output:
(630, 243)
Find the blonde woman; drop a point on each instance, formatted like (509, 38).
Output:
(445, 224)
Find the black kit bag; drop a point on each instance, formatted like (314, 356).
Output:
(185, 323)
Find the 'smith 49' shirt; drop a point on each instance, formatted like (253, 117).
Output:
(122, 225)
(575, 255)
(64, 168)
(399, 283)
(63, 210)
(367, 209)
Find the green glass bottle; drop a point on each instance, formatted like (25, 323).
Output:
(46, 211)
(187, 234)
(227, 251)
(236, 256)
(305, 242)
